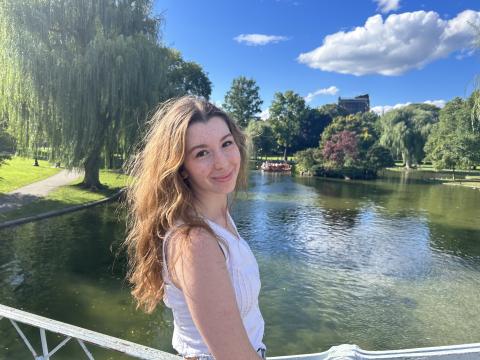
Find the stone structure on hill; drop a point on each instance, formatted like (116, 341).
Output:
(357, 104)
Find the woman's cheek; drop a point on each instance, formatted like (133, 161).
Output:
(205, 164)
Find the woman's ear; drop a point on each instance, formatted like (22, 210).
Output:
(183, 172)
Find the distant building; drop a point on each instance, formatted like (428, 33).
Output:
(357, 104)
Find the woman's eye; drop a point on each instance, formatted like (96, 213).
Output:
(201, 153)
(227, 143)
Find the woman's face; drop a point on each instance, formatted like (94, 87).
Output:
(212, 158)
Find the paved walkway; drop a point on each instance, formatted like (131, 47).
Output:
(15, 199)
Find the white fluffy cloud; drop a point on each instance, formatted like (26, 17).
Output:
(400, 43)
(437, 103)
(385, 6)
(382, 109)
(259, 39)
(332, 90)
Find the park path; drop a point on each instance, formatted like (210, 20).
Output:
(15, 199)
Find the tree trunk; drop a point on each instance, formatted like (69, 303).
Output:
(285, 154)
(111, 161)
(92, 163)
(454, 173)
(92, 171)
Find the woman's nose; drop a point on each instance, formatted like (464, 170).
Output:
(220, 160)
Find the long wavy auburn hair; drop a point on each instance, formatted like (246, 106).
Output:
(158, 196)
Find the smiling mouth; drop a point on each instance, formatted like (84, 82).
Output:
(224, 178)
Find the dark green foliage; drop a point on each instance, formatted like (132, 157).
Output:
(311, 128)
(7, 145)
(332, 110)
(379, 157)
(243, 101)
(347, 172)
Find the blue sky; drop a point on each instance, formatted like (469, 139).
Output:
(397, 51)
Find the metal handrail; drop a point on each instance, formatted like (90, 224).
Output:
(340, 352)
(81, 335)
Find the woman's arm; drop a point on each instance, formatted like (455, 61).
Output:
(202, 274)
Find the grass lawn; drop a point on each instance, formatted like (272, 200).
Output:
(69, 195)
(18, 172)
(429, 167)
(469, 181)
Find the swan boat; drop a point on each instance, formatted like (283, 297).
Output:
(269, 166)
(83, 336)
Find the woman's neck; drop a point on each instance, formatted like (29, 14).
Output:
(213, 208)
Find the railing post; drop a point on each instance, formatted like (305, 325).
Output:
(88, 353)
(24, 338)
(43, 338)
(82, 336)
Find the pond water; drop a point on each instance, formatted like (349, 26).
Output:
(386, 264)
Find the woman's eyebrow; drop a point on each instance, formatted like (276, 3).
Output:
(204, 146)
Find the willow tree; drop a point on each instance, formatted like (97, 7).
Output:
(405, 131)
(82, 74)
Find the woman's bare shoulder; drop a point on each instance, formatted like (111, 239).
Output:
(196, 241)
(193, 244)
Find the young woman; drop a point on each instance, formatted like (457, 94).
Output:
(183, 245)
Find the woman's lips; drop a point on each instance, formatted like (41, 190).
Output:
(224, 178)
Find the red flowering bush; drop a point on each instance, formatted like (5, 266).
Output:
(341, 149)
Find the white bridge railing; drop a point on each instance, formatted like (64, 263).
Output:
(82, 336)
(75, 333)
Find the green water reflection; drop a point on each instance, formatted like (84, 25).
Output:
(393, 263)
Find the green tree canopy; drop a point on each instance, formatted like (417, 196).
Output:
(312, 125)
(364, 125)
(350, 144)
(454, 142)
(379, 157)
(405, 131)
(306, 159)
(332, 110)
(186, 77)
(287, 114)
(243, 101)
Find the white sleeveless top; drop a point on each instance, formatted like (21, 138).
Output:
(243, 270)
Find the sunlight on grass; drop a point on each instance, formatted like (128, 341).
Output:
(70, 195)
(73, 194)
(18, 172)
